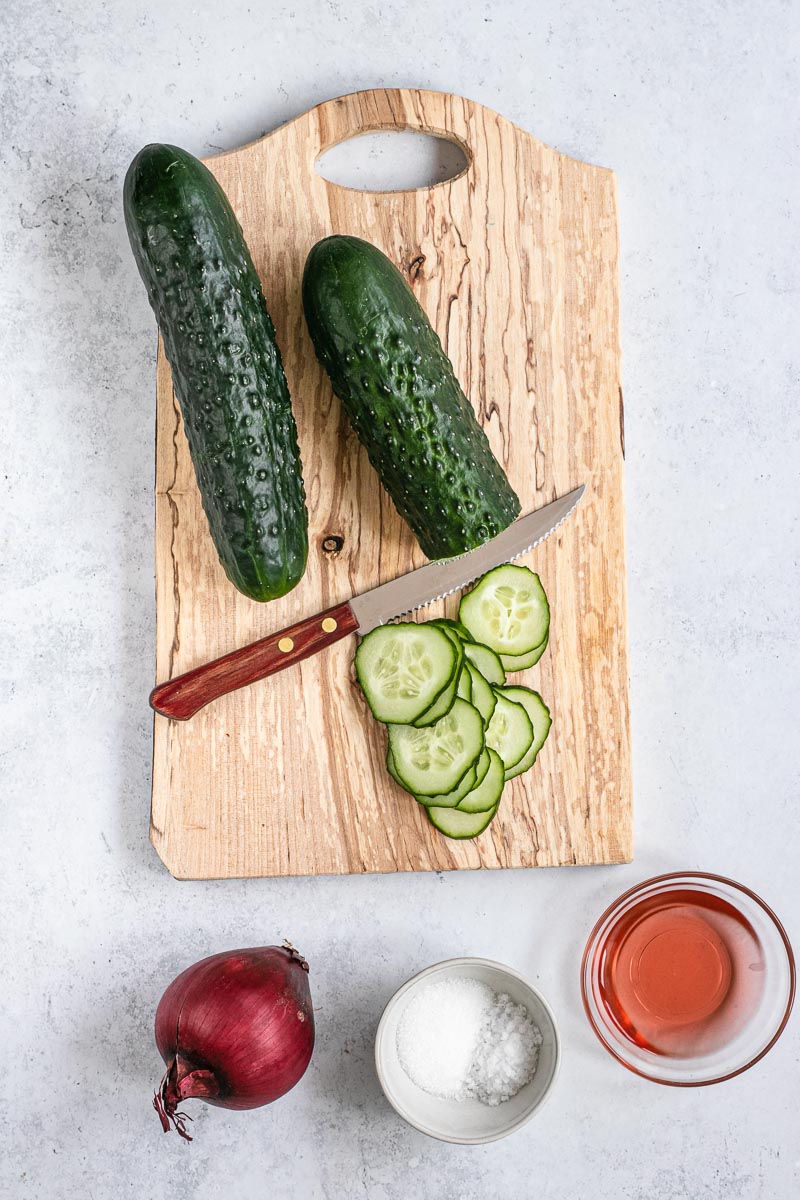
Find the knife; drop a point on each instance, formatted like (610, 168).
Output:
(185, 695)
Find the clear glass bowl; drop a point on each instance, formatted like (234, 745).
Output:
(747, 1006)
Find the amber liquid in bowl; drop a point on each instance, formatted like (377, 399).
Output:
(681, 972)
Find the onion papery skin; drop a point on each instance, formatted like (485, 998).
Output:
(235, 1029)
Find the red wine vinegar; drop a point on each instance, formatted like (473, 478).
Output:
(680, 973)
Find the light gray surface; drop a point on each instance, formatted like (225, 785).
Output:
(695, 106)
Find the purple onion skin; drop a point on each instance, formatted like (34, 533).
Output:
(236, 1030)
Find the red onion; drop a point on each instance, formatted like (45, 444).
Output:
(236, 1030)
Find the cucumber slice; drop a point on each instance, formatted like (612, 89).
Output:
(507, 610)
(486, 794)
(483, 697)
(541, 720)
(523, 661)
(444, 702)
(450, 628)
(432, 760)
(487, 662)
(464, 684)
(392, 769)
(471, 781)
(451, 799)
(456, 824)
(510, 731)
(482, 766)
(439, 709)
(456, 627)
(404, 668)
(440, 706)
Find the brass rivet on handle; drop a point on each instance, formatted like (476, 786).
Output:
(285, 645)
(329, 625)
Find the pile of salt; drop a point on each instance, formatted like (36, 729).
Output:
(459, 1039)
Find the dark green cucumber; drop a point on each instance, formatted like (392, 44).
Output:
(226, 367)
(397, 385)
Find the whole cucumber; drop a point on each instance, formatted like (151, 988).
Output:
(226, 367)
(398, 388)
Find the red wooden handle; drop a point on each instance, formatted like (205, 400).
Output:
(185, 695)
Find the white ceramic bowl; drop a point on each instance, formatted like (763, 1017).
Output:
(467, 1122)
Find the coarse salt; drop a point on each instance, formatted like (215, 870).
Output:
(459, 1039)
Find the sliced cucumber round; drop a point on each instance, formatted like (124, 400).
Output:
(486, 794)
(464, 689)
(473, 779)
(487, 662)
(450, 628)
(482, 766)
(441, 705)
(507, 610)
(432, 760)
(521, 662)
(444, 702)
(541, 720)
(392, 769)
(456, 824)
(510, 731)
(451, 799)
(456, 626)
(483, 697)
(404, 668)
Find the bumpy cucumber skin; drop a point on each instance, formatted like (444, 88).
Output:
(397, 386)
(226, 368)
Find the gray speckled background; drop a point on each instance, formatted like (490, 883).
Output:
(695, 106)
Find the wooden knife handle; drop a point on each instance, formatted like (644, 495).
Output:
(185, 695)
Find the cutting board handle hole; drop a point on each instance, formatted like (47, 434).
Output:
(397, 160)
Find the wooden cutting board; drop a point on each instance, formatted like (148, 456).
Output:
(515, 262)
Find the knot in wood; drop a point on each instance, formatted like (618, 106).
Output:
(332, 544)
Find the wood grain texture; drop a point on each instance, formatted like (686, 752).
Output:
(515, 262)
